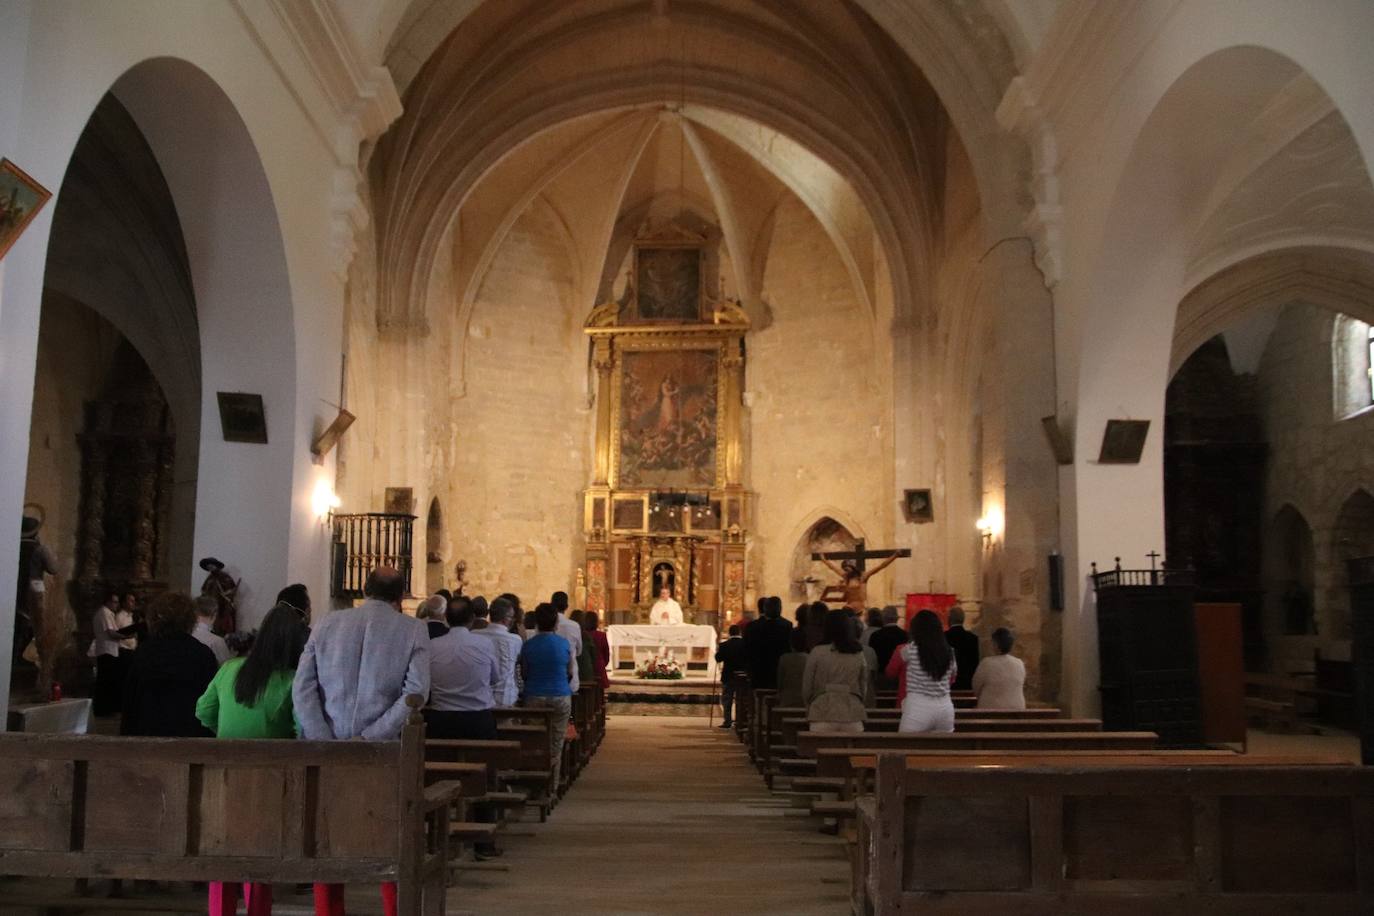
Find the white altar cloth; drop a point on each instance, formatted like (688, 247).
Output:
(648, 640)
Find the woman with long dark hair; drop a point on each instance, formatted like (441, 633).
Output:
(250, 697)
(837, 685)
(930, 669)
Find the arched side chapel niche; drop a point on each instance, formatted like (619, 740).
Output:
(810, 577)
(1352, 536)
(1290, 575)
(434, 547)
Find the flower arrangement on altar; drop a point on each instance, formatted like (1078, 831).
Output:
(660, 668)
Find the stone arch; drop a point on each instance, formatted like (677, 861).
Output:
(244, 312)
(826, 528)
(434, 547)
(1352, 535)
(1290, 574)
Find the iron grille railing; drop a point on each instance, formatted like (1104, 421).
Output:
(364, 541)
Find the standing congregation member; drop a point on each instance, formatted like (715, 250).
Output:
(930, 668)
(207, 609)
(549, 669)
(730, 655)
(765, 641)
(889, 638)
(434, 612)
(297, 597)
(112, 658)
(1000, 681)
(464, 675)
(354, 676)
(251, 698)
(591, 629)
(171, 670)
(837, 686)
(569, 631)
(792, 671)
(965, 646)
(873, 622)
(507, 646)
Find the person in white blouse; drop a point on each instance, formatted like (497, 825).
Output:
(666, 611)
(111, 651)
(1000, 681)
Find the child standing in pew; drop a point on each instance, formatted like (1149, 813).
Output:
(251, 698)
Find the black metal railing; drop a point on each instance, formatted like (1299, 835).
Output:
(364, 541)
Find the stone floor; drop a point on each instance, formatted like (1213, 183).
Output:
(669, 818)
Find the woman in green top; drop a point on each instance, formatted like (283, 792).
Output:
(251, 698)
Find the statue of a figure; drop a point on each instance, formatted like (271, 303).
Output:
(854, 584)
(224, 589)
(461, 571)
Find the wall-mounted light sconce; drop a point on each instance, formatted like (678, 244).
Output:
(323, 500)
(984, 526)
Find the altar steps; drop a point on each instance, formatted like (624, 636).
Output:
(636, 697)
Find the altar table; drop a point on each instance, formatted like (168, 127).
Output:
(694, 647)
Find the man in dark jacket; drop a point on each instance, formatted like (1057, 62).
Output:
(965, 646)
(730, 656)
(765, 641)
(890, 637)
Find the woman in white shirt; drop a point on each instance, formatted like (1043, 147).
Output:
(112, 652)
(1000, 681)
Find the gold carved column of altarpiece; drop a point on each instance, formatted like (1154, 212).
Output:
(666, 505)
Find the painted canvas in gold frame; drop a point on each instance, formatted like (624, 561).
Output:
(668, 401)
(668, 283)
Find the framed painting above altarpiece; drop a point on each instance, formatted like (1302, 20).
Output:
(667, 409)
(668, 283)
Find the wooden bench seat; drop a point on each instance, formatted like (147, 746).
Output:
(1219, 836)
(194, 809)
(808, 742)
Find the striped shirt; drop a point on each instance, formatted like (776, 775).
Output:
(920, 684)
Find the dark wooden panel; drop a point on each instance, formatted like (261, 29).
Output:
(968, 843)
(136, 806)
(365, 825)
(1128, 837)
(1287, 844)
(239, 811)
(35, 805)
(1221, 672)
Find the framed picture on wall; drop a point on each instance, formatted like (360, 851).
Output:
(918, 505)
(20, 200)
(241, 417)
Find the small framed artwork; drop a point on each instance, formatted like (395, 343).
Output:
(918, 506)
(20, 200)
(1123, 442)
(241, 417)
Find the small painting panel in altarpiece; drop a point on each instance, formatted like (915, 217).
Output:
(668, 401)
(627, 514)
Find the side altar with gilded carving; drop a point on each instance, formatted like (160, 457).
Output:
(666, 506)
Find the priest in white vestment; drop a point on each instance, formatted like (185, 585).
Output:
(666, 611)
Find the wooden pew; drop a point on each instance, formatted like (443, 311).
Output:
(1106, 837)
(199, 809)
(531, 729)
(792, 727)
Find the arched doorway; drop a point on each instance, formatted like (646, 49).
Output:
(1352, 536)
(434, 547)
(809, 577)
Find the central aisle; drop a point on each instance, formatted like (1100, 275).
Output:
(668, 818)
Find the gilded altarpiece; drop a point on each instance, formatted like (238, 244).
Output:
(666, 506)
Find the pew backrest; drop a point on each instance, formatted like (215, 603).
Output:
(1235, 838)
(809, 742)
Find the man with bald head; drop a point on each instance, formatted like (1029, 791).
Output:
(359, 665)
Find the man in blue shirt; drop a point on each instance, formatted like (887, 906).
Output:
(550, 669)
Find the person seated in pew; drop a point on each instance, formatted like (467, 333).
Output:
(171, 669)
(792, 670)
(930, 669)
(1000, 681)
(251, 698)
(837, 686)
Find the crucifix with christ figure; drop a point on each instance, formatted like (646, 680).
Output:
(853, 584)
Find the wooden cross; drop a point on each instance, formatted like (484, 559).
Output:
(1153, 555)
(859, 555)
